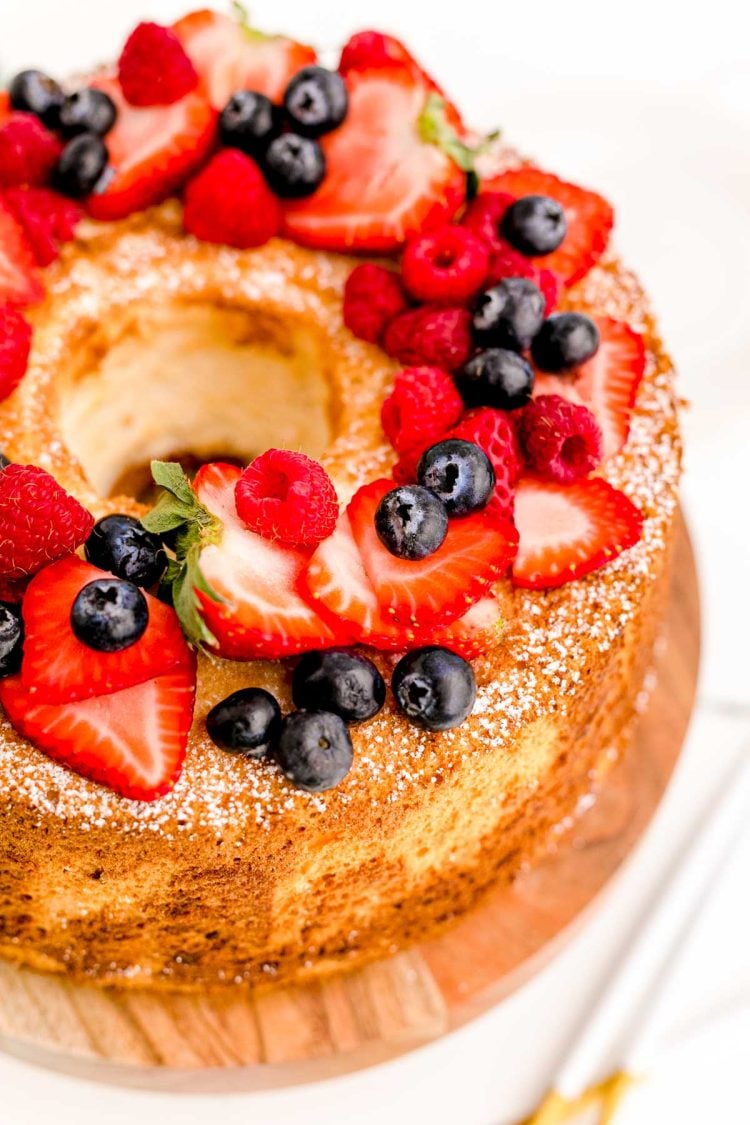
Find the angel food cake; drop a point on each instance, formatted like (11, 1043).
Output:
(339, 478)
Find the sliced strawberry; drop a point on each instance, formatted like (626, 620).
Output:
(19, 280)
(152, 151)
(383, 183)
(375, 50)
(133, 741)
(590, 219)
(58, 668)
(230, 56)
(567, 531)
(263, 616)
(475, 633)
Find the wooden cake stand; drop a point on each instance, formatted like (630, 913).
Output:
(232, 1040)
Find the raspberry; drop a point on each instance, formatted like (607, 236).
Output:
(28, 151)
(373, 296)
(371, 50)
(154, 68)
(494, 431)
(15, 344)
(445, 267)
(484, 215)
(47, 218)
(39, 521)
(289, 497)
(423, 404)
(562, 441)
(229, 201)
(430, 336)
(507, 262)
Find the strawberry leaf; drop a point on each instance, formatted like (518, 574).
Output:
(435, 129)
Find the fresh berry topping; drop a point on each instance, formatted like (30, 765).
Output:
(87, 111)
(11, 640)
(435, 337)
(230, 202)
(343, 682)
(31, 91)
(373, 296)
(47, 219)
(534, 225)
(411, 522)
(564, 341)
(484, 217)
(509, 315)
(372, 50)
(496, 377)
(315, 101)
(81, 166)
(566, 531)
(247, 722)
(423, 404)
(446, 267)
(288, 497)
(314, 750)
(28, 151)
(294, 166)
(562, 441)
(506, 263)
(121, 545)
(153, 68)
(15, 345)
(39, 521)
(19, 282)
(248, 122)
(133, 741)
(494, 431)
(109, 615)
(435, 688)
(459, 473)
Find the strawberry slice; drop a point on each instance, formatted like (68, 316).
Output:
(58, 668)
(383, 183)
(19, 280)
(475, 552)
(567, 531)
(590, 218)
(133, 741)
(152, 150)
(231, 56)
(263, 616)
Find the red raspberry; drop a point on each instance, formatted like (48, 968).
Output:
(15, 345)
(47, 218)
(371, 50)
(28, 151)
(446, 267)
(229, 201)
(507, 262)
(431, 337)
(154, 68)
(289, 497)
(39, 521)
(423, 404)
(494, 431)
(373, 295)
(484, 215)
(562, 441)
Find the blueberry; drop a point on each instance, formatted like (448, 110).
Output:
(314, 750)
(343, 682)
(247, 722)
(434, 687)
(122, 545)
(509, 315)
(249, 121)
(459, 473)
(31, 91)
(534, 224)
(411, 522)
(11, 639)
(81, 165)
(565, 340)
(315, 101)
(294, 166)
(87, 111)
(109, 615)
(496, 377)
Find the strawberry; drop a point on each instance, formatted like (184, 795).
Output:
(568, 530)
(231, 56)
(384, 181)
(474, 633)
(19, 280)
(134, 741)
(58, 668)
(589, 217)
(152, 150)
(374, 50)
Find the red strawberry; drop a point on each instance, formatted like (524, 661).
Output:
(46, 217)
(231, 56)
(473, 634)
(494, 431)
(153, 68)
(568, 530)
(133, 741)
(263, 616)
(373, 50)
(229, 201)
(28, 151)
(589, 216)
(15, 345)
(39, 521)
(384, 183)
(19, 281)
(58, 668)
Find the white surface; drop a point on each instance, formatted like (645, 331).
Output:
(651, 105)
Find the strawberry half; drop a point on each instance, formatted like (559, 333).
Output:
(152, 150)
(19, 280)
(383, 183)
(567, 531)
(133, 741)
(58, 668)
(231, 56)
(590, 218)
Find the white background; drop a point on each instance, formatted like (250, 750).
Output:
(649, 102)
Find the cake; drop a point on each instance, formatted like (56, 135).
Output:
(458, 583)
